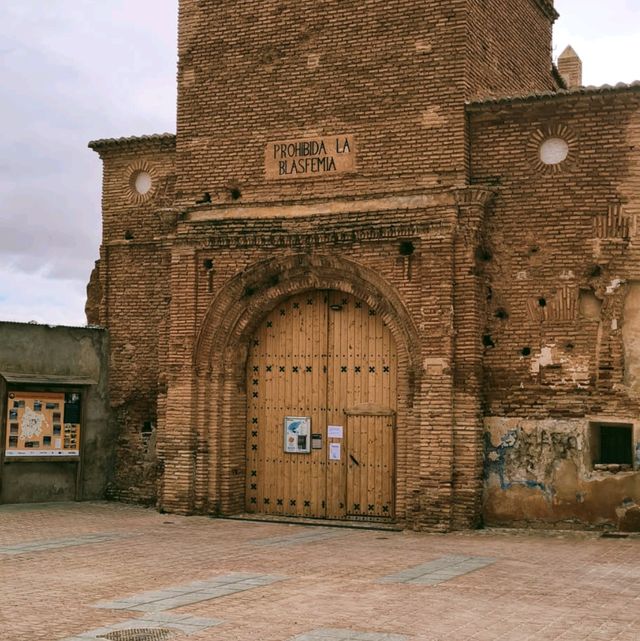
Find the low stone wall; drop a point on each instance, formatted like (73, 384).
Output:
(55, 360)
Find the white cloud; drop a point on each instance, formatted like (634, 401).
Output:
(30, 297)
(606, 36)
(72, 71)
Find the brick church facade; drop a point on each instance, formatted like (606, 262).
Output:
(387, 269)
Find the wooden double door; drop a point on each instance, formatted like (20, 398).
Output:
(328, 357)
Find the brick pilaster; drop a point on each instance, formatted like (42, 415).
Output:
(469, 319)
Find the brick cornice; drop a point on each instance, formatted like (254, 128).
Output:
(472, 205)
(322, 223)
(335, 206)
(326, 237)
(473, 196)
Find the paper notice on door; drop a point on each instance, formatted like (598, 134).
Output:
(335, 431)
(334, 452)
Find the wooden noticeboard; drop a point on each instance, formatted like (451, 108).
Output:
(42, 424)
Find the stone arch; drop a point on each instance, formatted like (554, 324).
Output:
(220, 355)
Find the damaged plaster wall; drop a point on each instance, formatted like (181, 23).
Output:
(631, 339)
(540, 472)
(563, 290)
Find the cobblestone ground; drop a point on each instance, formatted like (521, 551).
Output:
(80, 571)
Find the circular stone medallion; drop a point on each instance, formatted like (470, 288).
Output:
(554, 151)
(142, 182)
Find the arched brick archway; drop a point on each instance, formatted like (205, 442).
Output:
(220, 356)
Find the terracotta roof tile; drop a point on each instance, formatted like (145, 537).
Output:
(131, 140)
(546, 95)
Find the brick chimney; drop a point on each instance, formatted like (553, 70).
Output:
(570, 67)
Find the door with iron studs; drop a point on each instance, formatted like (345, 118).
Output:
(321, 401)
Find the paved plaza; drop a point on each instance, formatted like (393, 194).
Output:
(77, 572)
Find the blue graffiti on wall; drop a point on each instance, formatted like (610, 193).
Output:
(496, 460)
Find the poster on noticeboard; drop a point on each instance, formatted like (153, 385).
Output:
(43, 424)
(297, 434)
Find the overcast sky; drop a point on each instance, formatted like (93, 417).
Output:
(77, 70)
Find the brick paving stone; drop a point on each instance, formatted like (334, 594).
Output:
(347, 635)
(322, 534)
(53, 544)
(542, 587)
(438, 571)
(184, 625)
(178, 596)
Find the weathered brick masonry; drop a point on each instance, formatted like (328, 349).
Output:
(449, 228)
(561, 281)
(131, 291)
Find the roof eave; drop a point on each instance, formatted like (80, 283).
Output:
(165, 139)
(548, 9)
(576, 92)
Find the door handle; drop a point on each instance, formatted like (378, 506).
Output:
(352, 457)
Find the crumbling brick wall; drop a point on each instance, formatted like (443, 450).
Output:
(131, 297)
(561, 252)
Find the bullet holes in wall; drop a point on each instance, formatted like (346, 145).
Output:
(273, 280)
(147, 431)
(483, 254)
(594, 271)
(407, 248)
(407, 251)
(206, 198)
(209, 267)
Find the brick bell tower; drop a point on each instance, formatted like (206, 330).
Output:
(394, 76)
(320, 147)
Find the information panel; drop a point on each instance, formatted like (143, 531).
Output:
(297, 434)
(43, 424)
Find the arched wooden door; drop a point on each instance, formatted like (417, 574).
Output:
(321, 393)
